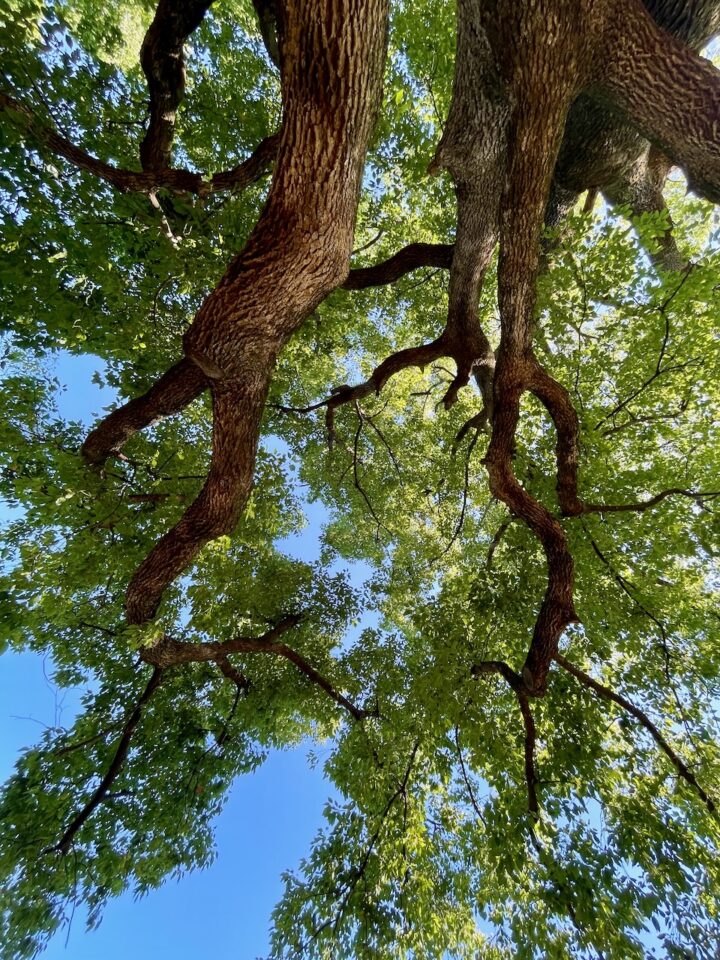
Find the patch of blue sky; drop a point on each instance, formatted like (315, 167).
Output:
(265, 828)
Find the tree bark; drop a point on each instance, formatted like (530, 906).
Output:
(602, 149)
(667, 91)
(162, 58)
(332, 58)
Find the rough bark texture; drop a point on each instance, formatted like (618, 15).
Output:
(473, 150)
(602, 150)
(175, 179)
(163, 61)
(170, 394)
(670, 94)
(551, 97)
(543, 78)
(331, 59)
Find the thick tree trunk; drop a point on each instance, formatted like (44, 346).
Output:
(544, 97)
(473, 149)
(544, 53)
(668, 92)
(332, 54)
(602, 149)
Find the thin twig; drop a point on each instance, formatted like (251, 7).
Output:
(606, 693)
(116, 765)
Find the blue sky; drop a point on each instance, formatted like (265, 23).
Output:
(266, 827)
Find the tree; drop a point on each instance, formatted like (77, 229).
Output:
(521, 449)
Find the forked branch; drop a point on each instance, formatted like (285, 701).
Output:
(162, 57)
(517, 684)
(177, 180)
(172, 653)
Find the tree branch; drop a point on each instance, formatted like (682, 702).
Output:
(411, 257)
(237, 412)
(605, 693)
(517, 684)
(530, 775)
(698, 496)
(171, 653)
(162, 58)
(170, 394)
(146, 181)
(116, 765)
(495, 542)
(359, 871)
(239, 679)
(268, 22)
(401, 360)
(669, 92)
(466, 779)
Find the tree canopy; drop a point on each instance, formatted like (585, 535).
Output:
(435, 268)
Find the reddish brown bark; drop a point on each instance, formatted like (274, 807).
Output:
(162, 57)
(170, 394)
(520, 65)
(526, 61)
(331, 55)
(544, 54)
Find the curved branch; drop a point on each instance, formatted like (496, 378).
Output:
(146, 181)
(239, 679)
(470, 352)
(514, 680)
(237, 412)
(116, 765)
(245, 173)
(170, 394)
(556, 400)
(518, 686)
(605, 693)
(557, 608)
(285, 270)
(411, 257)
(170, 653)
(419, 356)
(537, 126)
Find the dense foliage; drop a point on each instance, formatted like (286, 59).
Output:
(435, 849)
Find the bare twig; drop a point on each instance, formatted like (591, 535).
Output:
(466, 779)
(699, 496)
